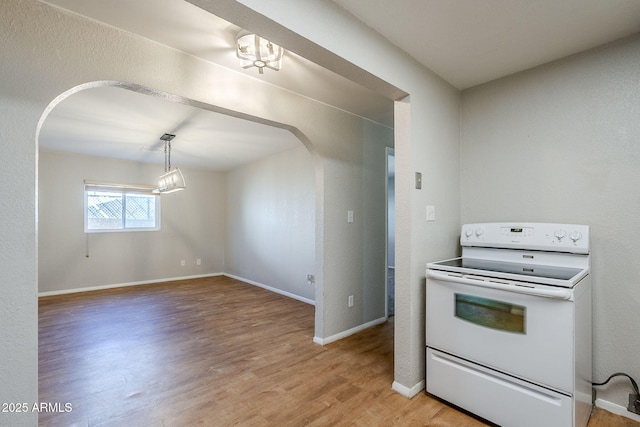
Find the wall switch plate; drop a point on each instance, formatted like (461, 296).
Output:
(350, 301)
(431, 213)
(418, 180)
(198, 261)
(349, 216)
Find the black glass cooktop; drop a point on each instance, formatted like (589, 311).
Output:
(544, 271)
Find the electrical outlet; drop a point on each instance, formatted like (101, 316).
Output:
(634, 403)
(310, 279)
(198, 261)
(182, 263)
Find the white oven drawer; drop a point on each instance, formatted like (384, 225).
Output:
(499, 398)
(525, 335)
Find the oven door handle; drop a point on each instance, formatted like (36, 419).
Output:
(483, 282)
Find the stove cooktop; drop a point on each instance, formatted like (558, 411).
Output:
(545, 274)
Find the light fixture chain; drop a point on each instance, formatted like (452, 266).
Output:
(165, 157)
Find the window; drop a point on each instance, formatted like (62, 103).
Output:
(491, 313)
(120, 207)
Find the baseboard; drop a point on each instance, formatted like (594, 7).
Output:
(171, 279)
(272, 289)
(336, 337)
(406, 391)
(616, 409)
(121, 285)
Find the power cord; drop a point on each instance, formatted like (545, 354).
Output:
(634, 399)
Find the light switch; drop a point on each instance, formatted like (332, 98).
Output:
(431, 213)
(349, 216)
(418, 180)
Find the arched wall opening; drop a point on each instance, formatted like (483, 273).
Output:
(254, 221)
(349, 258)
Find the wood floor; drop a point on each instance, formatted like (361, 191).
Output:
(218, 352)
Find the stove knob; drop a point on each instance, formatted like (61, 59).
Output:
(575, 236)
(468, 232)
(479, 231)
(560, 234)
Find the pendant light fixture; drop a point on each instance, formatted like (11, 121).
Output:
(171, 180)
(254, 51)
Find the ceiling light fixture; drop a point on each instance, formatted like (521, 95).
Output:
(254, 51)
(171, 180)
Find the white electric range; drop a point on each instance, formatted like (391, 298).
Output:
(508, 324)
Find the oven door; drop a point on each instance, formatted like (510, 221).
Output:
(522, 331)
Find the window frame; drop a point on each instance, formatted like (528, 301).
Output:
(123, 190)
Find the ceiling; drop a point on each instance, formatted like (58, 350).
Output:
(120, 123)
(466, 42)
(469, 42)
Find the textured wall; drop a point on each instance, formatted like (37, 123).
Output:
(561, 143)
(270, 231)
(192, 226)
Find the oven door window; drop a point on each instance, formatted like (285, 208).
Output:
(491, 313)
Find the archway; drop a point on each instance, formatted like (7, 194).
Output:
(308, 229)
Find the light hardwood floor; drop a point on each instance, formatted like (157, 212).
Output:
(219, 352)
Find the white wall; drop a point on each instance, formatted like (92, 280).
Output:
(256, 222)
(561, 143)
(192, 226)
(271, 222)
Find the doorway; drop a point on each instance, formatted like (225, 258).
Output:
(391, 238)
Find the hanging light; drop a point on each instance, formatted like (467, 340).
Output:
(171, 180)
(254, 51)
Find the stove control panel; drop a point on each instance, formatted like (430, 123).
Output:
(572, 238)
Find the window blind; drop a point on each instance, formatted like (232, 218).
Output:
(92, 185)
